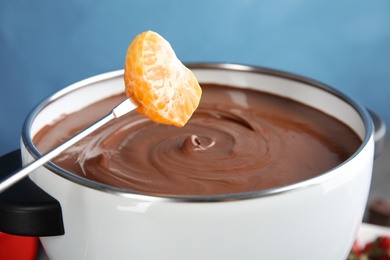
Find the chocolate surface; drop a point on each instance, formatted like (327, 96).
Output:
(237, 141)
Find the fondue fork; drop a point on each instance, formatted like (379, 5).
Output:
(120, 110)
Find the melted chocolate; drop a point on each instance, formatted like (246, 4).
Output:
(237, 141)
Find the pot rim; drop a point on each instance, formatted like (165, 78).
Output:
(361, 110)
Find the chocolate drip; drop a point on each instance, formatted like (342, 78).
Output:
(193, 143)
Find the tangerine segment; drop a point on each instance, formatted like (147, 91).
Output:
(167, 92)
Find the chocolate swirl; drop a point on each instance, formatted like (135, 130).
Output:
(237, 141)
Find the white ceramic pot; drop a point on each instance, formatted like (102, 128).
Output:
(314, 219)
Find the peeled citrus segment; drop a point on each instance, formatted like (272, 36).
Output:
(167, 92)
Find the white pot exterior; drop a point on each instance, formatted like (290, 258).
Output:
(315, 219)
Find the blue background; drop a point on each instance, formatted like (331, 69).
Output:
(47, 45)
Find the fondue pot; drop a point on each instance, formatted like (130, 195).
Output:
(76, 218)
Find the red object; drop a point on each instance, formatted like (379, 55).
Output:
(356, 250)
(17, 247)
(367, 247)
(384, 243)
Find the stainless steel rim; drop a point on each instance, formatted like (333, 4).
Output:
(27, 140)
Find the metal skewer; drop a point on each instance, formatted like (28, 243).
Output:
(120, 110)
